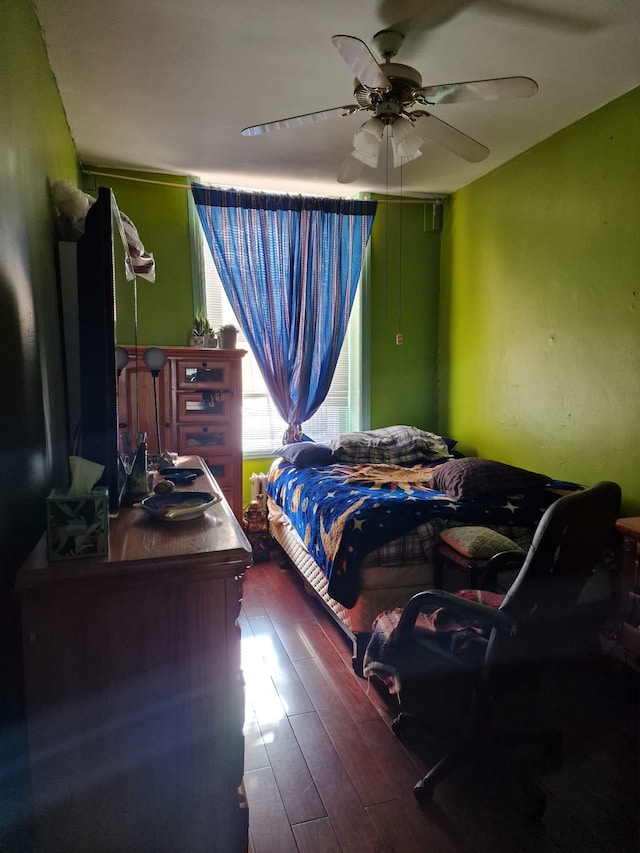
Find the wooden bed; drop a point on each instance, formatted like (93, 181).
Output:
(383, 571)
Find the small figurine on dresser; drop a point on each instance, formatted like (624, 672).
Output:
(256, 528)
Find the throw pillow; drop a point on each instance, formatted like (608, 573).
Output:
(478, 543)
(471, 477)
(306, 454)
(394, 445)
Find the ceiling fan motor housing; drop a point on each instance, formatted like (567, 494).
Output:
(404, 80)
(388, 43)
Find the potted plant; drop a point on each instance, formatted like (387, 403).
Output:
(227, 335)
(202, 333)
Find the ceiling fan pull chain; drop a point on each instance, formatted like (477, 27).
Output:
(386, 225)
(399, 335)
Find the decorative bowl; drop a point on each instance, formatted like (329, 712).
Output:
(178, 506)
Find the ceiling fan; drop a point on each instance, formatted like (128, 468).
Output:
(391, 92)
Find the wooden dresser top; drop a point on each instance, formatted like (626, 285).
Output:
(140, 545)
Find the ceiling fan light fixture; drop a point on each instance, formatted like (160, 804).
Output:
(369, 135)
(405, 142)
(366, 142)
(409, 147)
(402, 159)
(401, 128)
(374, 127)
(370, 160)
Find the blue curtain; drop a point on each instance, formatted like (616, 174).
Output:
(290, 267)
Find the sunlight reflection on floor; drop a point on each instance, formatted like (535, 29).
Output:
(259, 660)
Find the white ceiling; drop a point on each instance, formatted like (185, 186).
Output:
(167, 86)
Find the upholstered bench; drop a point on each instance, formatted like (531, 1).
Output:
(469, 549)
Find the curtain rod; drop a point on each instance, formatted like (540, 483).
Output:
(405, 200)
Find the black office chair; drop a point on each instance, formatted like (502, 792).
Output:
(451, 657)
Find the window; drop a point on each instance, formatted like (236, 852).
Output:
(262, 426)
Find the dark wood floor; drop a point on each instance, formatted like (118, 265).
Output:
(324, 771)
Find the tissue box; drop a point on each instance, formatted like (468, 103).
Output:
(78, 525)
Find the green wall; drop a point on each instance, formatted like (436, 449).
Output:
(158, 206)
(540, 306)
(36, 149)
(403, 297)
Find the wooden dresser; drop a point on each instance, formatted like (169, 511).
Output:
(134, 687)
(199, 405)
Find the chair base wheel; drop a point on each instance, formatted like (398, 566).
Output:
(422, 792)
(399, 726)
(357, 663)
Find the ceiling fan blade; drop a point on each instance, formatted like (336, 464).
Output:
(361, 62)
(425, 15)
(298, 121)
(417, 17)
(550, 18)
(477, 90)
(350, 169)
(454, 140)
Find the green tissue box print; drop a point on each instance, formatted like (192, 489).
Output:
(77, 525)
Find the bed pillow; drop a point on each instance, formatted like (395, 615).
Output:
(477, 543)
(394, 445)
(470, 478)
(306, 454)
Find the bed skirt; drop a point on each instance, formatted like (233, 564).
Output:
(380, 587)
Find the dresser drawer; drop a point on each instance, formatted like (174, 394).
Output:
(222, 468)
(204, 373)
(210, 404)
(206, 439)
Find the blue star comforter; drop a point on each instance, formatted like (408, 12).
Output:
(343, 511)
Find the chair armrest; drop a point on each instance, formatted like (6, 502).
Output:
(502, 562)
(480, 613)
(507, 560)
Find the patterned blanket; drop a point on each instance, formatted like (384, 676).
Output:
(342, 512)
(455, 634)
